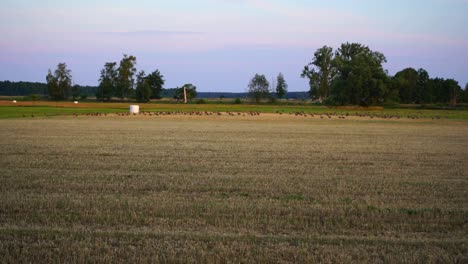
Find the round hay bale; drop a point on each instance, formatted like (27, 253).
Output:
(134, 109)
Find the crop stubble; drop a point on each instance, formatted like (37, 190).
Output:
(233, 189)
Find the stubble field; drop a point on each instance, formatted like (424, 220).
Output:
(266, 188)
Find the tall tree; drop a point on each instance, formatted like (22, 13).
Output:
(107, 81)
(258, 88)
(321, 72)
(281, 86)
(361, 79)
(156, 82)
(59, 83)
(143, 89)
(125, 80)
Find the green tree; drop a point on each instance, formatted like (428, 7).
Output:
(407, 83)
(258, 88)
(446, 90)
(190, 89)
(423, 87)
(361, 79)
(125, 80)
(321, 72)
(22, 88)
(59, 83)
(75, 91)
(156, 82)
(143, 89)
(464, 95)
(281, 86)
(52, 86)
(439, 91)
(454, 91)
(107, 81)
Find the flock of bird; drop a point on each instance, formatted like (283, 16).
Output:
(325, 115)
(359, 114)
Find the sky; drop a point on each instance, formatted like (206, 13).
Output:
(219, 45)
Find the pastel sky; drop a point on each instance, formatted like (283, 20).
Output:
(218, 45)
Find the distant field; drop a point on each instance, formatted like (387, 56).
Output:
(268, 188)
(48, 108)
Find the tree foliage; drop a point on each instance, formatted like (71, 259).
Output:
(258, 88)
(125, 80)
(156, 82)
(107, 82)
(281, 86)
(59, 82)
(413, 86)
(321, 72)
(75, 92)
(22, 88)
(361, 79)
(143, 89)
(406, 81)
(190, 89)
(464, 95)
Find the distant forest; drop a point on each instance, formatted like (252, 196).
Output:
(8, 88)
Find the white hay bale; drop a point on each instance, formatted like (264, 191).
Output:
(75, 102)
(134, 109)
(14, 101)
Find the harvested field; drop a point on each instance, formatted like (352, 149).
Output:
(263, 188)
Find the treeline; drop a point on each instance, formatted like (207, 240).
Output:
(116, 80)
(228, 95)
(350, 75)
(8, 88)
(353, 74)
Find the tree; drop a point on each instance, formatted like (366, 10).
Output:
(107, 82)
(258, 88)
(281, 86)
(190, 89)
(454, 91)
(59, 83)
(423, 87)
(125, 81)
(143, 89)
(75, 91)
(156, 82)
(361, 79)
(464, 95)
(407, 83)
(439, 92)
(446, 91)
(52, 86)
(321, 72)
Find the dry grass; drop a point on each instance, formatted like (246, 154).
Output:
(233, 189)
